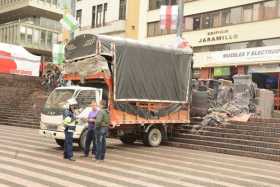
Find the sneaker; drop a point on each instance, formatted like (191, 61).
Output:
(71, 159)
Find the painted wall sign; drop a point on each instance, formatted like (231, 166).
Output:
(219, 35)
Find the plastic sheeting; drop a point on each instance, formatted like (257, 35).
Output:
(142, 72)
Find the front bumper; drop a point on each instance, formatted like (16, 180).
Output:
(57, 134)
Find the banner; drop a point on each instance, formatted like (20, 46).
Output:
(17, 60)
(168, 17)
(221, 71)
(58, 53)
(69, 23)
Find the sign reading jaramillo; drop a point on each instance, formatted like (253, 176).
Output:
(260, 55)
(220, 35)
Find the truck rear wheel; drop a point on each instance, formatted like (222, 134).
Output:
(60, 142)
(153, 138)
(127, 139)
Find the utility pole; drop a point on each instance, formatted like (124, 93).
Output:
(180, 18)
(73, 12)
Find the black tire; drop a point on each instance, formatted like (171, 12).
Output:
(60, 142)
(153, 138)
(127, 139)
(82, 140)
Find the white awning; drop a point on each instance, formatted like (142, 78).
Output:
(17, 60)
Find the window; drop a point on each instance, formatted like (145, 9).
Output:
(43, 37)
(93, 17)
(196, 23)
(188, 23)
(257, 12)
(225, 17)
(22, 34)
(29, 36)
(49, 39)
(79, 17)
(235, 15)
(104, 13)
(86, 97)
(247, 13)
(216, 19)
(122, 10)
(151, 29)
(154, 4)
(270, 9)
(99, 16)
(36, 36)
(206, 21)
(54, 38)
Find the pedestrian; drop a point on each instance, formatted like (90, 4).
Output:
(91, 130)
(69, 121)
(101, 123)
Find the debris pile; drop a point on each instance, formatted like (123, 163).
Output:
(229, 101)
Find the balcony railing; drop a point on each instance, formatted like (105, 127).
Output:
(28, 35)
(49, 3)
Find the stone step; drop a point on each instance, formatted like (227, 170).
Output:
(257, 124)
(31, 125)
(231, 140)
(239, 136)
(21, 118)
(244, 132)
(223, 150)
(228, 146)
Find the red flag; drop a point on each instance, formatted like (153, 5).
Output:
(168, 17)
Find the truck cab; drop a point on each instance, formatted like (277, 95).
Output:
(51, 124)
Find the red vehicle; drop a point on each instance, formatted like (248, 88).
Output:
(147, 88)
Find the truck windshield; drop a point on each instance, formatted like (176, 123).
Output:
(58, 98)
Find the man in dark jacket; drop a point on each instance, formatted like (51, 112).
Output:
(101, 123)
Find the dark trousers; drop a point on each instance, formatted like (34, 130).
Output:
(68, 143)
(90, 138)
(101, 134)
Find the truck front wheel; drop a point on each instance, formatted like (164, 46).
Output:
(153, 138)
(127, 139)
(60, 142)
(82, 140)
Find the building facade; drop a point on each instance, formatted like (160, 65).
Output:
(33, 24)
(228, 37)
(101, 17)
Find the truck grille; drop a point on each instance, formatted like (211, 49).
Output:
(51, 127)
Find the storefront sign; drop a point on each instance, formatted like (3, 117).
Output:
(250, 56)
(269, 68)
(220, 35)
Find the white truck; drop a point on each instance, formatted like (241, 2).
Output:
(51, 124)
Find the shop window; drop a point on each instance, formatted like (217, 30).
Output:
(188, 23)
(235, 15)
(248, 13)
(196, 23)
(225, 17)
(22, 34)
(270, 9)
